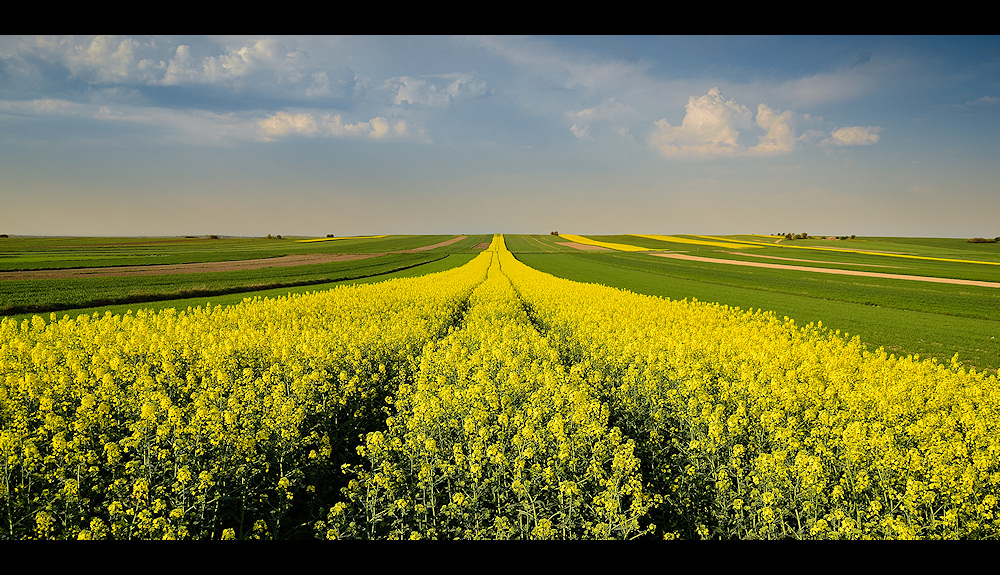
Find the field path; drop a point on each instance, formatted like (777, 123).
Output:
(831, 270)
(584, 246)
(433, 246)
(201, 267)
(193, 268)
(807, 261)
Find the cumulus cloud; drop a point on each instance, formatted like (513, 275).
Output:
(95, 59)
(779, 137)
(609, 115)
(711, 127)
(714, 126)
(285, 124)
(265, 67)
(854, 136)
(438, 91)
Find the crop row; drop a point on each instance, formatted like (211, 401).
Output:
(206, 423)
(752, 427)
(494, 439)
(488, 401)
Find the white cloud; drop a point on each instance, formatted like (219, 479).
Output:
(438, 91)
(581, 132)
(711, 127)
(780, 136)
(97, 58)
(854, 136)
(241, 61)
(984, 101)
(284, 124)
(714, 126)
(237, 62)
(264, 65)
(180, 68)
(609, 114)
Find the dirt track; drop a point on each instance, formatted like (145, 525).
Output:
(201, 267)
(832, 271)
(194, 268)
(807, 261)
(585, 246)
(433, 246)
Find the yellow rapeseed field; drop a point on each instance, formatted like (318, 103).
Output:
(491, 401)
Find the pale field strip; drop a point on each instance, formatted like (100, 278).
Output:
(866, 252)
(202, 267)
(341, 238)
(709, 241)
(585, 247)
(830, 270)
(809, 261)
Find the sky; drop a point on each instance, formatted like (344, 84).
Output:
(317, 135)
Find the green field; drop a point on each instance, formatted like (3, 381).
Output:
(24, 297)
(902, 315)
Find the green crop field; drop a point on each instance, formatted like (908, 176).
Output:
(905, 316)
(74, 282)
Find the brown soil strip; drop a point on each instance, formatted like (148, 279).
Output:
(808, 261)
(481, 246)
(193, 268)
(431, 247)
(833, 271)
(584, 246)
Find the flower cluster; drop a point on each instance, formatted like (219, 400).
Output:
(206, 422)
(487, 401)
(750, 426)
(495, 439)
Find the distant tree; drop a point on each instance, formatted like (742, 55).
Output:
(4, 236)
(330, 236)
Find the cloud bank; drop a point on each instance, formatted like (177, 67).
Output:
(714, 126)
(284, 124)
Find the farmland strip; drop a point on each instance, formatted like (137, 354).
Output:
(832, 271)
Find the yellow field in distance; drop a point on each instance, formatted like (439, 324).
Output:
(342, 238)
(609, 245)
(717, 242)
(746, 244)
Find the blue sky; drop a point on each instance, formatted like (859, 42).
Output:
(307, 135)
